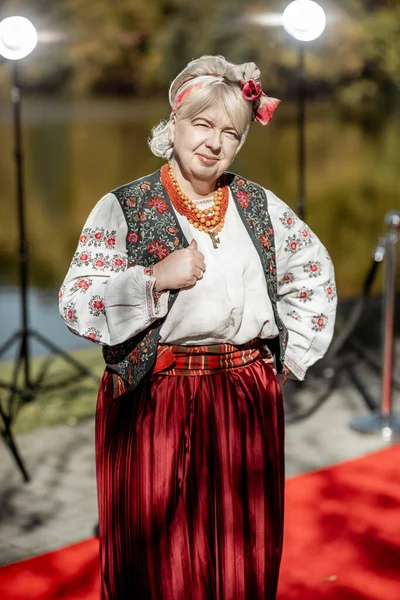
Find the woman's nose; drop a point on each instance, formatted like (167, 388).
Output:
(214, 140)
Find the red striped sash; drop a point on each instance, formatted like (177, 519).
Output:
(204, 360)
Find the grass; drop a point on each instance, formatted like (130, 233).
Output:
(64, 396)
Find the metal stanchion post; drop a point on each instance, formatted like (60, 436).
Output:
(385, 421)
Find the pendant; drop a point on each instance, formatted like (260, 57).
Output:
(215, 240)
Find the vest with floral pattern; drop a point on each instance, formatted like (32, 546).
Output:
(153, 233)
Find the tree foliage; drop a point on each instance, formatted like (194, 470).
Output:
(138, 46)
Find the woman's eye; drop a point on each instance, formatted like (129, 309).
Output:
(201, 124)
(232, 134)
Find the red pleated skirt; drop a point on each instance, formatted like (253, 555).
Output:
(190, 476)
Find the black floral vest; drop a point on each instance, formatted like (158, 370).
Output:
(153, 233)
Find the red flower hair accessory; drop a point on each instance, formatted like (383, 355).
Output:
(251, 90)
(264, 106)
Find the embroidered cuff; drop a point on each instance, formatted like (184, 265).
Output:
(156, 302)
(298, 370)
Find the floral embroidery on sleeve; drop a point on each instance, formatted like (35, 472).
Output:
(295, 315)
(70, 314)
(287, 278)
(288, 219)
(82, 285)
(100, 261)
(96, 306)
(306, 235)
(93, 334)
(293, 244)
(319, 322)
(313, 269)
(306, 289)
(330, 291)
(97, 237)
(305, 294)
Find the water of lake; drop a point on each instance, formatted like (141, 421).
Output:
(76, 151)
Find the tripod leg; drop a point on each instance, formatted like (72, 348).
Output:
(295, 418)
(56, 350)
(11, 340)
(9, 440)
(369, 401)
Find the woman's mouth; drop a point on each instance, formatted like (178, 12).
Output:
(207, 160)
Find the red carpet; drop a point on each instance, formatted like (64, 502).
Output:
(342, 541)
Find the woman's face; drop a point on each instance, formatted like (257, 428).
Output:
(204, 145)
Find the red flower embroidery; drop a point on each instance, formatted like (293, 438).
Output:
(171, 229)
(314, 267)
(145, 186)
(60, 294)
(240, 181)
(83, 238)
(110, 242)
(133, 237)
(118, 262)
(303, 294)
(92, 335)
(243, 198)
(98, 235)
(132, 201)
(176, 241)
(293, 245)
(160, 249)
(305, 233)
(160, 205)
(289, 221)
(288, 277)
(83, 284)
(84, 257)
(264, 239)
(134, 356)
(319, 322)
(99, 264)
(251, 90)
(97, 304)
(70, 314)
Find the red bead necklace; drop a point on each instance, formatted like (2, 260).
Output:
(210, 220)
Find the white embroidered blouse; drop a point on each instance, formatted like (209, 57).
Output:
(104, 301)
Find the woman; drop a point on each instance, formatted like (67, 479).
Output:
(189, 278)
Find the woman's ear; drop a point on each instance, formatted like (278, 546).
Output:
(172, 126)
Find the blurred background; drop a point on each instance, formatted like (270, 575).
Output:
(97, 83)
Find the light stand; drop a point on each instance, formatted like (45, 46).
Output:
(305, 21)
(301, 125)
(17, 39)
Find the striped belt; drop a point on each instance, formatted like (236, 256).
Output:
(204, 360)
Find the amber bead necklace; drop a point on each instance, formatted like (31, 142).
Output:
(210, 220)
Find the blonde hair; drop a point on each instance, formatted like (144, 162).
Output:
(227, 92)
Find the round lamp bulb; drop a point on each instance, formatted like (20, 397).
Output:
(304, 20)
(18, 37)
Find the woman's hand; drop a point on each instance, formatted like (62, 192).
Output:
(181, 269)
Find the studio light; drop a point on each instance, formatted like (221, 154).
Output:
(18, 38)
(304, 20)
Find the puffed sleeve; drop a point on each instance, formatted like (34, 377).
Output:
(101, 299)
(306, 288)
